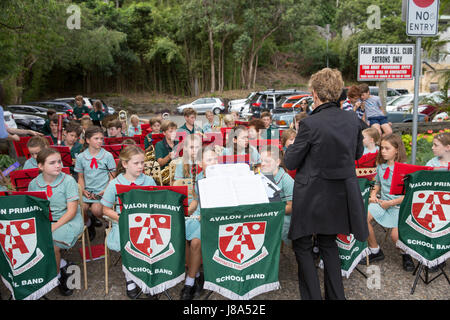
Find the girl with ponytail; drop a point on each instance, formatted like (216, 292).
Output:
(129, 172)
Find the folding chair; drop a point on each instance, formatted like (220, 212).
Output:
(83, 235)
(107, 231)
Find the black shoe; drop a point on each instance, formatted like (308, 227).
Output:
(91, 231)
(134, 293)
(373, 257)
(97, 222)
(408, 264)
(63, 289)
(199, 282)
(187, 293)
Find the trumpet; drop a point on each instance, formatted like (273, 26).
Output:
(123, 116)
(165, 116)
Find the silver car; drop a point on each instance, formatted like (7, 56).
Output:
(202, 105)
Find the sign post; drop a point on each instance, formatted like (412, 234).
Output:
(421, 21)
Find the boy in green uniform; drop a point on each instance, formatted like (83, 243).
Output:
(155, 124)
(80, 109)
(51, 113)
(190, 115)
(164, 150)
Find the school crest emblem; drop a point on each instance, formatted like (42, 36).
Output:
(345, 241)
(18, 240)
(430, 213)
(239, 242)
(150, 233)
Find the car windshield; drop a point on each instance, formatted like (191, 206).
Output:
(401, 100)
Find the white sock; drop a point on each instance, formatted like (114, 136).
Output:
(62, 263)
(131, 285)
(375, 250)
(197, 274)
(59, 275)
(88, 223)
(189, 281)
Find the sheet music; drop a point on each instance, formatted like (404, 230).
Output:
(217, 192)
(231, 191)
(249, 190)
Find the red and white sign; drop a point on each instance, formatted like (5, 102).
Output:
(377, 62)
(422, 18)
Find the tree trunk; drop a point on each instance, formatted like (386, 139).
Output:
(211, 53)
(256, 68)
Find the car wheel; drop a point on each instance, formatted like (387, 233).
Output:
(216, 111)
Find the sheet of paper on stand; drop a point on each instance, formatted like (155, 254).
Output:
(229, 170)
(229, 191)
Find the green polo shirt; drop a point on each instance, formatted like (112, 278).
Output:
(162, 149)
(78, 112)
(195, 129)
(96, 115)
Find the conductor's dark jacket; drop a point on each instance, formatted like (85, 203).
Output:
(327, 198)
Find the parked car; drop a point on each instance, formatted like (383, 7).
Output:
(292, 101)
(401, 116)
(58, 106)
(283, 117)
(9, 119)
(202, 105)
(402, 90)
(24, 109)
(403, 102)
(88, 102)
(269, 99)
(29, 122)
(391, 93)
(236, 105)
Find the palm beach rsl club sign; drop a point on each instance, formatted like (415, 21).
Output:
(422, 18)
(377, 62)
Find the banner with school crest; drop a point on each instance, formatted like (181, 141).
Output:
(424, 219)
(152, 228)
(351, 251)
(27, 261)
(241, 249)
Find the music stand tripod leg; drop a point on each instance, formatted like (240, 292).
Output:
(417, 278)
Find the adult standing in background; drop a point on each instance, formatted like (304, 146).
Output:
(326, 199)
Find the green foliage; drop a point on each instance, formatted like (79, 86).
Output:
(180, 46)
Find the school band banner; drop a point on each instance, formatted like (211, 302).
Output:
(27, 261)
(241, 249)
(152, 238)
(424, 219)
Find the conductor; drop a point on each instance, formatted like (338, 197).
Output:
(326, 198)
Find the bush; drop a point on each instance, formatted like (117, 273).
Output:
(424, 144)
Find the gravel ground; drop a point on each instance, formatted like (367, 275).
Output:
(395, 283)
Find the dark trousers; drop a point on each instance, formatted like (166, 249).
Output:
(308, 279)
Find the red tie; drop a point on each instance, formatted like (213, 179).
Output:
(133, 184)
(94, 163)
(136, 129)
(386, 173)
(49, 191)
